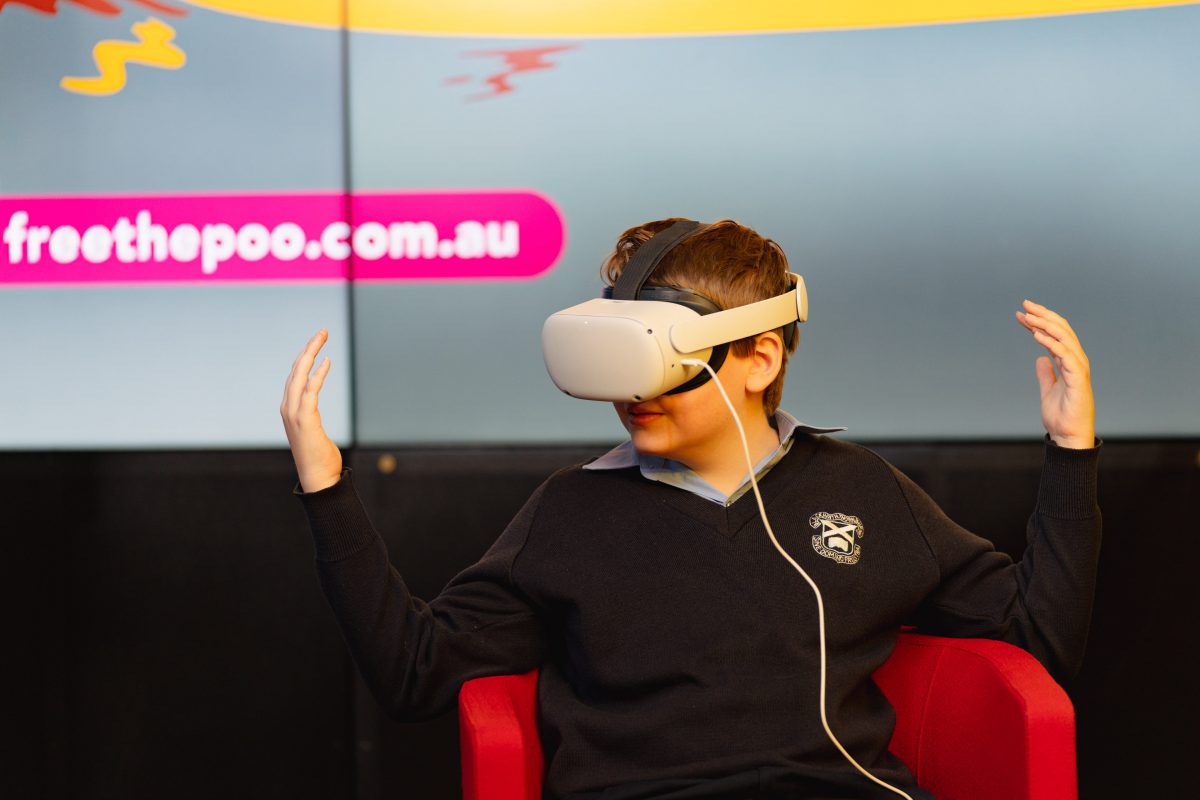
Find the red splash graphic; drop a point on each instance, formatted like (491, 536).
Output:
(95, 6)
(515, 61)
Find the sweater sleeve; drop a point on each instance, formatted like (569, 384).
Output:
(1043, 603)
(415, 655)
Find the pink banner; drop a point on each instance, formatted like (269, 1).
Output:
(430, 235)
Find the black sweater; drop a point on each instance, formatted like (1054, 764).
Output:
(673, 639)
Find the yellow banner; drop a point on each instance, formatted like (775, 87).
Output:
(584, 18)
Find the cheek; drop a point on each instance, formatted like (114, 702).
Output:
(716, 414)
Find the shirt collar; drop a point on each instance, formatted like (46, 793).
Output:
(624, 455)
(674, 473)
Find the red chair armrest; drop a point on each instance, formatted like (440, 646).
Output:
(978, 719)
(501, 754)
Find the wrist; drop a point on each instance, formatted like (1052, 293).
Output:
(311, 484)
(1074, 442)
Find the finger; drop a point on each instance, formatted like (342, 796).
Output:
(1041, 310)
(313, 388)
(1026, 321)
(1063, 334)
(291, 390)
(300, 357)
(302, 367)
(1045, 375)
(1068, 363)
(1033, 320)
(307, 346)
(1056, 348)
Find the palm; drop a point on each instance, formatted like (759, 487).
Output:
(1064, 378)
(318, 460)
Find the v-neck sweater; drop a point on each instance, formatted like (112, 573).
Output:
(674, 642)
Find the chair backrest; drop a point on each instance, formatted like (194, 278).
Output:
(975, 720)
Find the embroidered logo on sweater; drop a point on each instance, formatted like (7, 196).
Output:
(837, 536)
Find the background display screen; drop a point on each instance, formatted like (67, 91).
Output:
(189, 190)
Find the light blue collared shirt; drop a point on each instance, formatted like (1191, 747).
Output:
(674, 473)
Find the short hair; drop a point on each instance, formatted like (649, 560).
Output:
(728, 263)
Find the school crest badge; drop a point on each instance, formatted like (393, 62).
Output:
(837, 536)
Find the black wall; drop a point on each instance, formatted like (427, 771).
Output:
(164, 635)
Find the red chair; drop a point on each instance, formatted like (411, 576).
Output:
(975, 720)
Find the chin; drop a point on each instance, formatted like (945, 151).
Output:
(648, 444)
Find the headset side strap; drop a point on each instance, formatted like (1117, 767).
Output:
(741, 321)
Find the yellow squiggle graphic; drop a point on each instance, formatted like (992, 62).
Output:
(153, 49)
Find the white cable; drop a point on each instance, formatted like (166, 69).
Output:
(820, 603)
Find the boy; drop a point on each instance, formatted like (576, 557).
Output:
(678, 651)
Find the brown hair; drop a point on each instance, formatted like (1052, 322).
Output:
(728, 263)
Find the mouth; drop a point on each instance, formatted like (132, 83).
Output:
(639, 414)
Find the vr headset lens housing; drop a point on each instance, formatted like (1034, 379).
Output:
(617, 350)
(629, 349)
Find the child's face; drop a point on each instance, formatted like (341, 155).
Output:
(692, 426)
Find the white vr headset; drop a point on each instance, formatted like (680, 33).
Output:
(628, 345)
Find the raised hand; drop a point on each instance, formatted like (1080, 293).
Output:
(1068, 407)
(318, 460)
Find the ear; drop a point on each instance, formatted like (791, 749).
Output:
(766, 362)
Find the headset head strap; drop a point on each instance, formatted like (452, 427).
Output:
(646, 258)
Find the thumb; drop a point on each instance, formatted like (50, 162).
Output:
(1045, 374)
